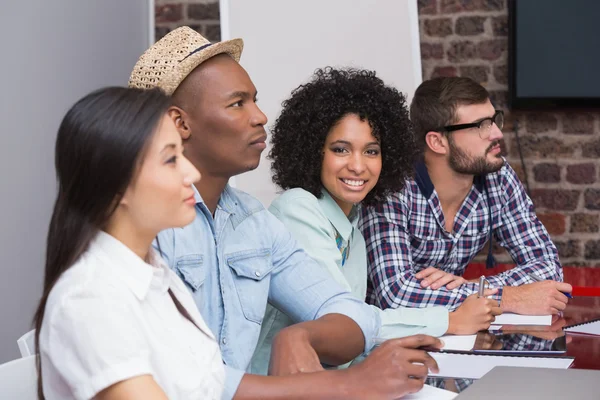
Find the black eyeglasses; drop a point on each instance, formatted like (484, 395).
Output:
(484, 126)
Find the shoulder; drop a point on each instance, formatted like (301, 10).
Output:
(299, 205)
(249, 203)
(293, 198)
(90, 281)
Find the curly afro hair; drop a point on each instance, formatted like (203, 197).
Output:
(299, 134)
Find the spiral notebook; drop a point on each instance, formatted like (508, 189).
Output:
(588, 328)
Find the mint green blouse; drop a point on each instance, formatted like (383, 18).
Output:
(334, 241)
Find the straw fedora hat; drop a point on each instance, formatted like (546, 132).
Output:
(167, 63)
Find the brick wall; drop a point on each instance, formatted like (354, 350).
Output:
(470, 38)
(201, 15)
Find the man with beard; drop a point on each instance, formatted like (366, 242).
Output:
(464, 195)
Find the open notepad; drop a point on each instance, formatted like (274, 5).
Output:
(588, 328)
(474, 366)
(431, 393)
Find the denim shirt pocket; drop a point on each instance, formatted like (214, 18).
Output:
(251, 280)
(189, 268)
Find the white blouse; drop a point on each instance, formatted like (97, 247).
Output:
(110, 317)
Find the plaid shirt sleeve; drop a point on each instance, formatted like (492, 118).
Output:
(523, 235)
(391, 272)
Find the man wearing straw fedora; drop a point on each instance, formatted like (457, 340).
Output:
(236, 256)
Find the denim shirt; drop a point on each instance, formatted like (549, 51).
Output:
(244, 257)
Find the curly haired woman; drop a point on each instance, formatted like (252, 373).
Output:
(342, 141)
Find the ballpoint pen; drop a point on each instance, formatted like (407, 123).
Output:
(482, 282)
(538, 279)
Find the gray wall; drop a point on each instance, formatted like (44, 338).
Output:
(53, 52)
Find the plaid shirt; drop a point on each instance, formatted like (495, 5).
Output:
(407, 234)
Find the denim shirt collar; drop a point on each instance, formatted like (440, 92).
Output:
(343, 224)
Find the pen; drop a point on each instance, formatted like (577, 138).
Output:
(482, 283)
(538, 279)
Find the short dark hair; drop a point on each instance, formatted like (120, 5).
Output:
(299, 134)
(436, 100)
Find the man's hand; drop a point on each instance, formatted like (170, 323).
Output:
(292, 353)
(487, 341)
(474, 314)
(435, 278)
(539, 298)
(394, 369)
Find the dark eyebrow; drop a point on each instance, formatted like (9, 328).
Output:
(350, 144)
(168, 146)
(341, 142)
(481, 119)
(241, 94)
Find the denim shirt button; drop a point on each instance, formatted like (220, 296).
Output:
(257, 273)
(224, 340)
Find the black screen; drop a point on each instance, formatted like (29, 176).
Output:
(555, 53)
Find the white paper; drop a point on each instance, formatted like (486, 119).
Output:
(431, 393)
(518, 319)
(459, 342)
(593, 328)
(475, 366)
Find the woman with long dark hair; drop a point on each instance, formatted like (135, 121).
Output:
(114, 321)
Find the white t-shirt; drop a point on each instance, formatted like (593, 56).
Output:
(110, 317)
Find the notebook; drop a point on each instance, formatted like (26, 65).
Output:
(431, 393)
(587, 328)
(518, 319)
(474, 366)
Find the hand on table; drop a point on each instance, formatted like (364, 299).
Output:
(394, 369)
(435, 279)
(538, 298)
(474, 314)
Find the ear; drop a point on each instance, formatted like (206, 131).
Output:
(181, 121)
(436, 142)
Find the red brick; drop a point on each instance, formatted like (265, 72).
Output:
(461, 51)
(568, 249)
(427, 7)
(200, 11)
(501, 74)
(499, 98)
(453, 6)
(578, 123)
(591, 199)
(438, 27)
(213, 32)
(168, 13)
(546, 173)
(555, 199)
(534, 146)
(443, 71)
(555, 223)
(500, 25)
(592, 249)
(492, 49)
(585, 223)
(591, 149)
(432, 51)
(581, 173)
(469, 26)
(541, 122)
(479, 73)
